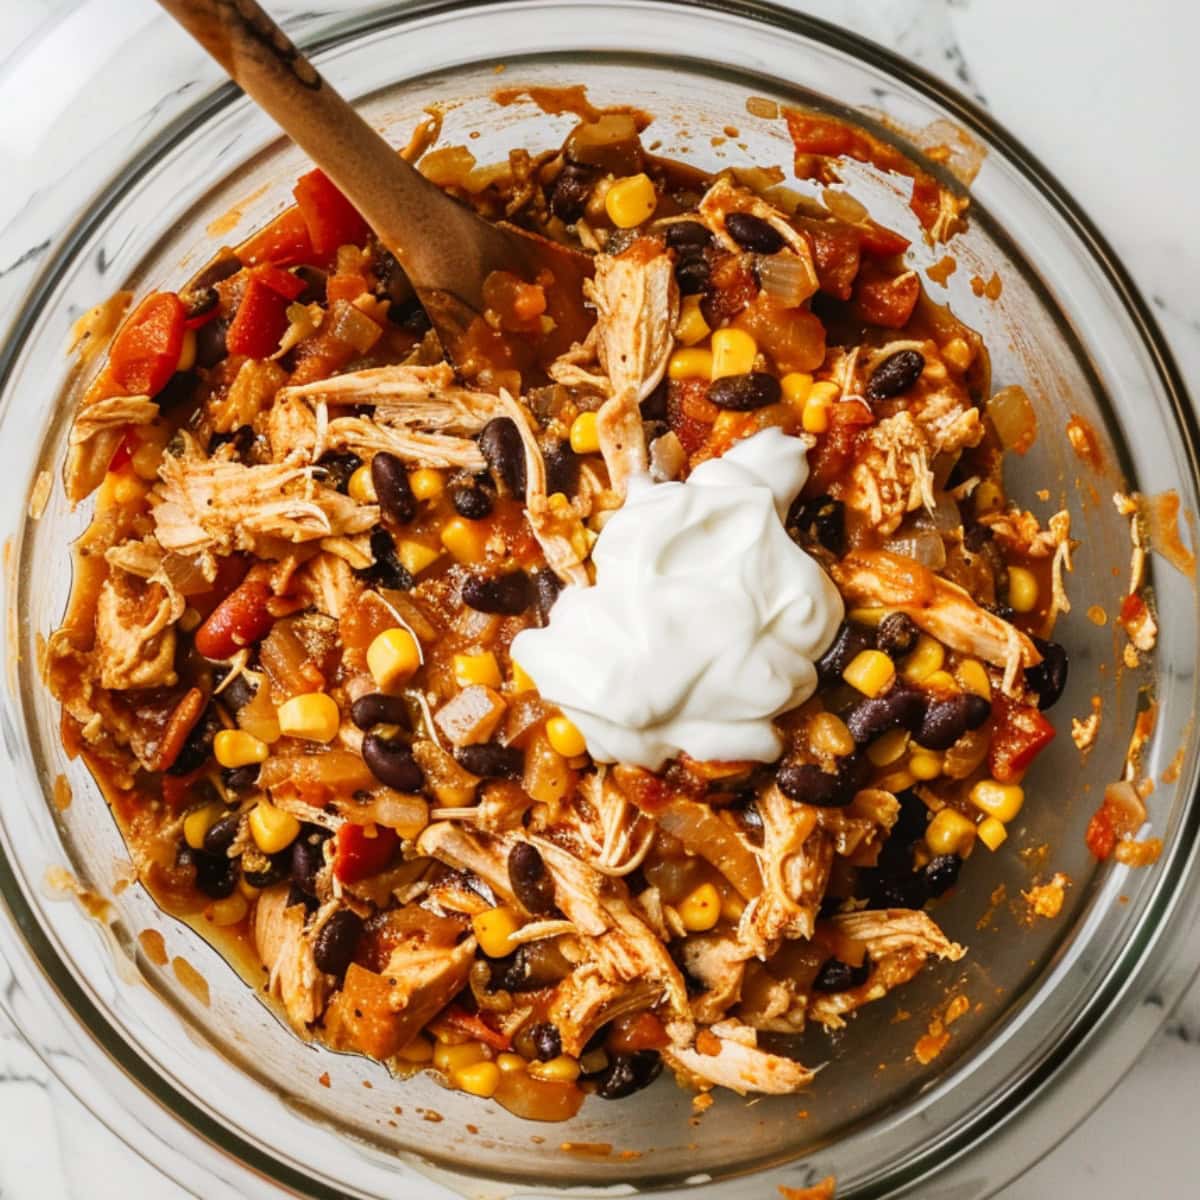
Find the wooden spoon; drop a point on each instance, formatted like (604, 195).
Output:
(447, 251)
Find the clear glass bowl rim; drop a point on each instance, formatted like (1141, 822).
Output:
(1175, 896)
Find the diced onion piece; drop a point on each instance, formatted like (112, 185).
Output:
(1126, 809)
(922, 545)
(353, 327)
(667, 457)
(404, 813)
(787, 278)
(1012, 414)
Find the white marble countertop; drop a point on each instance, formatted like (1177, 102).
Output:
(1106, 93)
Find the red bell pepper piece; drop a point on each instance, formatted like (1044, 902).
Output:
(331, 219)
(285, 242)
(146, 351)
(239, 620)
(878, 239)
(886, 300)
(474, 1025)
(1101, 837)
(260, 320)
(124, 451)
(359, 856)
(289, 286)
(1019, 734)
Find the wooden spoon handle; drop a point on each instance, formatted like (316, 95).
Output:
(440, 244)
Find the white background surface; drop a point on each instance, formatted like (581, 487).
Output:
(1106, 94)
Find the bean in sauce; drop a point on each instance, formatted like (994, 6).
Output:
(531, 882)
(396, 499)
(501, 445)
(745, 393)
(753, 233)
(490, 760)
(377, 709)
(335, 944)
(391, 761)
(508, 594)
(896, 374)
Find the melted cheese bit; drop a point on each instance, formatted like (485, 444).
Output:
(705, 620)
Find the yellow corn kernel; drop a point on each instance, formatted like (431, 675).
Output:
(361, 486)
(925, 765)
(464, 539)
(197, 824)
(416, 556)
(187, 352)
(928, 656)
(419, 1050)
(870, 671)
(313, 716)
(630, 201)
(987, 496)
(896, 781)
(827, 733)
(950, 833)
(690, 364)
(584, 438)
(867, 616)
(888, 748)
(482, 1079)
(971, 675)
(1000, 800)
(510, 1064)
(991, 833)
(563, 1069)
(493, 928)
(940, 681)
(477, 668)
(393, 658)
(564, 737)
(427, 483)
(248, 889)
(235, 748)
(522, 681)
(815, 416)
(227, 912)
(701, 909)
(127, 489)
(272, 829)
(692, 327)
(825, 391)
(732, 906)
(958, 353)
(796, 386)
(594, 1061)
(449, 1057)
(1022, 589)
(733, 353)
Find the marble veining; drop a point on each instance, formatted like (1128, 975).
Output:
(1057, 84)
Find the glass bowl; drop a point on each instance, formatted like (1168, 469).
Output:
(202, 1074)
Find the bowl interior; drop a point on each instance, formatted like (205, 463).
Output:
(1057, 328)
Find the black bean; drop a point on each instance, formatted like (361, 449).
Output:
(687, 233)
(240, 779)
(562, 468)
(387, 571)
(808, 784)
(266, 872)
(822, 519)
(179, 390)
(896, 374)
(197, 747)
(237, 693)
(216, 875)
(396, 499)
(508, 594)
(978, 710)
(654, 407)
(547, 1043)
(308, 857)
(411, 316)
(197, 303)
(628, 1073)
(941, 873)
(850, 640)
(692, 272)
(947, 719)
(837, 976)
(899, 708)
(471, 501)
(391, 761)
(377, 709)
(490, 760)
(525, 972)
(531, 882)
(750, 822)
(241, 439)
(220, 835)
(753, 233)
(500, 443)
(210, 343)
(338, 467)
(314, 280)
(335, 944)
(296, 896)
(1049, 677)
(744, 393)
(571, 191)
(896, 634)
(546, 587)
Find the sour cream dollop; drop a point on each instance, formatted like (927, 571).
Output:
(705, 619)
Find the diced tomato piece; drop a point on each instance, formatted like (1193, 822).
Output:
(926, 200)
(836, 448)
(146, 351)
(474, 1025)
(1100, 837)
(344, 287)
(836, 255)
(260, 321)
(359, 856)
(1019, 734)
(879, 240)
(688, 412)
(239, 620)
(278, 280)
(124, 451)
(331, 219)
(819, 135)
(285, 242)
(886, 300)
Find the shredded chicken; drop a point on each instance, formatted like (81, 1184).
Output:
(95, 434)
(135, 635)
(891, 476)
(279, 936)
(727, 1055)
